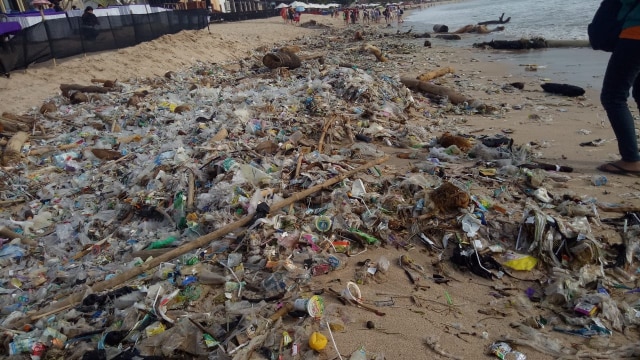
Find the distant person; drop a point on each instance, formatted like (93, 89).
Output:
(622, 74)
(291, 14)
(100, 6)
(56, 5)
(89, 23)
(73, 7)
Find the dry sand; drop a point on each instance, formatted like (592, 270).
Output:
(552, 122)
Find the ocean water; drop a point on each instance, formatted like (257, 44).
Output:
(550, 19)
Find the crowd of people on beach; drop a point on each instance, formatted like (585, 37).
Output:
(355, 15)
(367, 16)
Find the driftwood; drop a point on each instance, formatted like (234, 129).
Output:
(567, 43)
(281, 59)
(437, 90)
(9, 234)
(494, 22)
(119, 279)
(13, 126)
(435, 73)
(19, 118)
(618, 208)
(375, 51)
(522, 44)
(8, 203)
(478, 29)
(105, 83)
(68, 88)
(448, 37)
(12, 152)
(319, 57)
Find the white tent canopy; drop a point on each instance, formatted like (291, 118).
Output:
(281, 6)
(298, 3)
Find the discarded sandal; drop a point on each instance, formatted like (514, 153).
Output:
(613, 168)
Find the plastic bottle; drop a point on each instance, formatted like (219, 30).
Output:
(359, 354)
(599, 180)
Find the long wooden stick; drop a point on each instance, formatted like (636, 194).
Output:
(325, 128)
(199, 242)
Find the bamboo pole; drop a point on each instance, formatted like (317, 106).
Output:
(195, 244)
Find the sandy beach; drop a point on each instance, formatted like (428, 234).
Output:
(464, 316)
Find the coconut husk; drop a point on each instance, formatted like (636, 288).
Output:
(281, 59)
(448, 198)
(447, 139)
(48, 107)
(106, 154)
(134, 100)
(79, 97)
(182, 108)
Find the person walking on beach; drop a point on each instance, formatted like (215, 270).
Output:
(622, 74)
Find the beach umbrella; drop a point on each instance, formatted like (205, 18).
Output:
(41, 4)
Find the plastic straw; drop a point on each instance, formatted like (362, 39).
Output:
(333, 341)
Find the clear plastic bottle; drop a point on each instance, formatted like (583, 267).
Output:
(359, 354)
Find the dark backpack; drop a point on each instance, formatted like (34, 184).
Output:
(605, 27)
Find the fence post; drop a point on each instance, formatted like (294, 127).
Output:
(149, 20)
(115, 42)
(48, 32)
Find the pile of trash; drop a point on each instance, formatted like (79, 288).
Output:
(188, 216)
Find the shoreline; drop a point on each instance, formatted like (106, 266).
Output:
(551, 126)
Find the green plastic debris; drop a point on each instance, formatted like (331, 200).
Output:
(160, 244)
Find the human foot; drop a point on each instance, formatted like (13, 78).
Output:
(621, 168)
